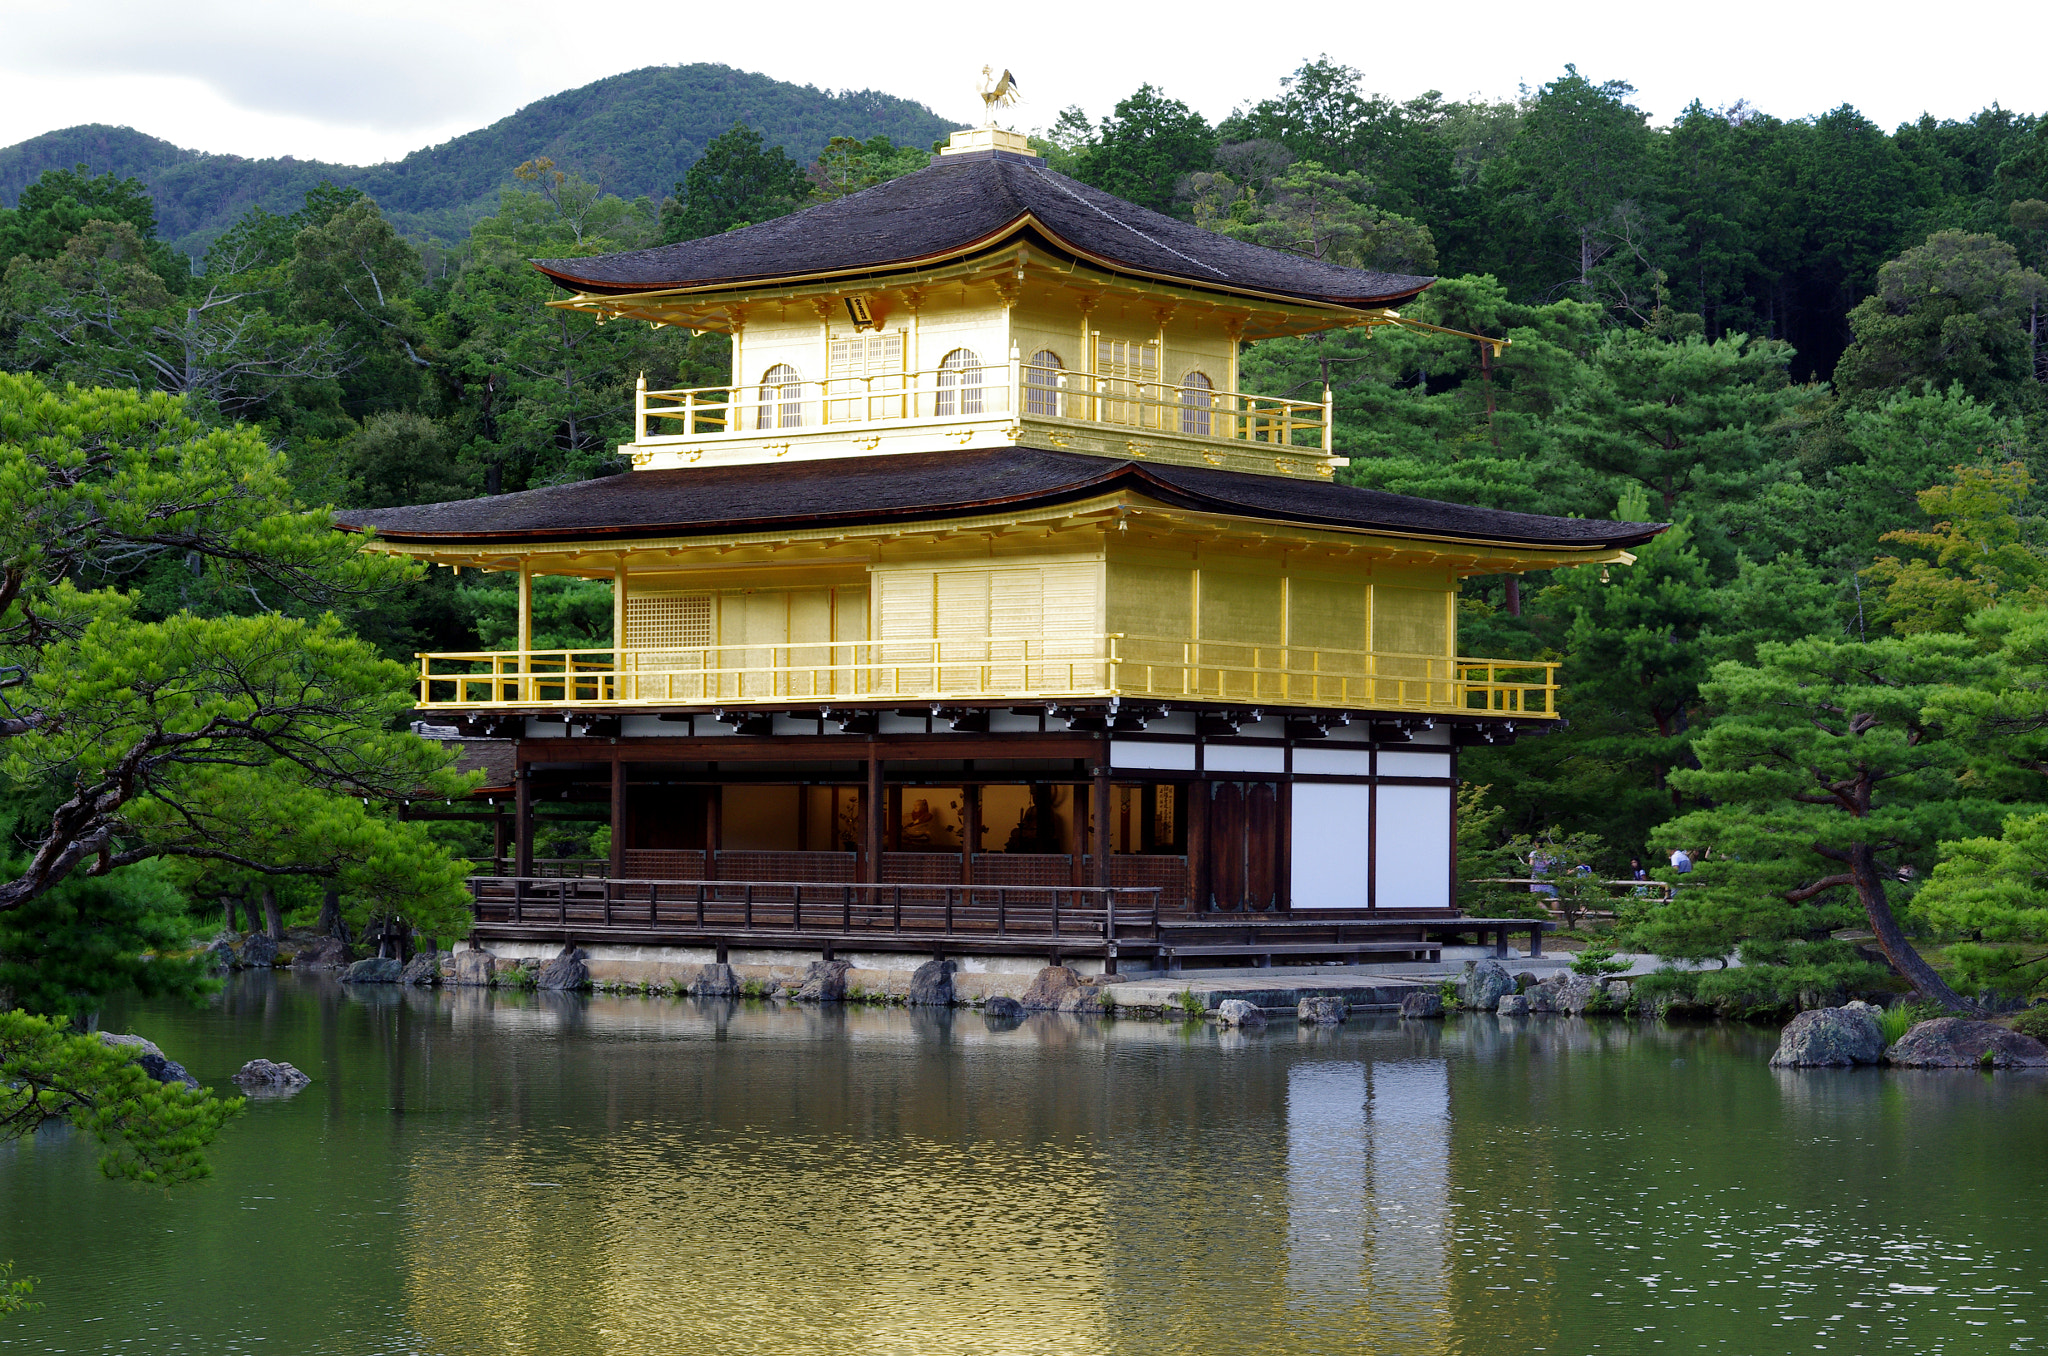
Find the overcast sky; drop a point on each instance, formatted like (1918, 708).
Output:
(358, 81)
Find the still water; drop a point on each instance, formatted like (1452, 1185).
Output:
(481, 1172)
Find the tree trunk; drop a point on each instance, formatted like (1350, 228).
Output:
(330, 915)
(1908, 962)
(1514, 595)
(273, 923)
(227, 908)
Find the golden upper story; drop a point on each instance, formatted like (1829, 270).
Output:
(983, 442)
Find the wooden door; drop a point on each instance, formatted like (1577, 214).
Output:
(1242, 846)
(1226, 846)
(1261, 846)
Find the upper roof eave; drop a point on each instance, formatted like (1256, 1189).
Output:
(992, 240)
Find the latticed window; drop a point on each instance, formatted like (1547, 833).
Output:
(1197, 394)
(1130, 374)
(1042, 383)
(865, 378)
(669, 621)
(782, 398)
(959, 383)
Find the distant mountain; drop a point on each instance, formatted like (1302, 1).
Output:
(635, 133)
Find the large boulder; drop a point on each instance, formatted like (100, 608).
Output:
(824, 982)
(1579, 994)
(1487, 981)
(1959, 1043)
(321, 953)
(1050, 987)
(1513, 1005)
(474, 967)
(1002, 1009)
(1324, 1011)
(1827, 1038)
(715, 980)
(1237, 1012)
(373, 970)
(1422, 1003)
(565, 971)
(423, 968)
(259, 951)
(931, 985)
(1543, 998)
(262, 1074)
(153, 1061)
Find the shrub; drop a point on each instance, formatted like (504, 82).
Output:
(1895, 1022)
(1188, 1004)
(2033, 1022)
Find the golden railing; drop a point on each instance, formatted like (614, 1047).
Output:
(695, 413)
(1013, 668)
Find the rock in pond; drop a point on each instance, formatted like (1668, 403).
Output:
(1325, 1011)
(1578, 994)
(1003, 1009)
(715, 980)
(931, 985)
(259, 951)
(220, 952)
(373, 970)
(153, 1061)
(1513, 1005)
(1237, 1012)
(1058, 988)
(423, 968)
(1829, 1038)
(566, 971)
(824, 982)
(1542, 998)
(1960, 1043)
(1423, 1003)
(1485, 983)
(322, 953)
(263, 1074)
(474, 967)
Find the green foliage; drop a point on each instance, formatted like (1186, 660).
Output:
(154, 1132)
(1995, 892)
(65, 951)
(1145, 147)
(1954, 309)
(848, 165)
(1978, 554)
(1597, 960)
(1894, 1022)
(736, 182)
(14, 1294)
(2033, 1022)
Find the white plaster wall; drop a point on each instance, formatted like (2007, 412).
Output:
(1329, 848)
(1166, 757)
(1404, 763)
(1244, 758)
(1414, 837)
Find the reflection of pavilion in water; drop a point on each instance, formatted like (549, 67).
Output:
(928, 1185)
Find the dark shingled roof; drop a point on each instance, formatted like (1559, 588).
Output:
(964, 200)
(704, 501)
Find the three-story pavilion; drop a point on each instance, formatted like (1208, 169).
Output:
(983, 572)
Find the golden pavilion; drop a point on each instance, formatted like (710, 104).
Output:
(981, 612)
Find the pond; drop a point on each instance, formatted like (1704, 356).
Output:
(494, 1172)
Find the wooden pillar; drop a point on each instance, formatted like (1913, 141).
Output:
(714, 830)
(970, 831)
(872, 812)
(618, 862)
(522, 820)
(1283, 865)
(1099, 807)
(1197, 811)
(619, 688)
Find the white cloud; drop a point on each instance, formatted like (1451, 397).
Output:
(364, 80)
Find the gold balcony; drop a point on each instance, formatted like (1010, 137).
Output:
(1138, 417)
(988, 668)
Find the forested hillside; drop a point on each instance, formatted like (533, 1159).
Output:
(1812, 346)
(633, 134)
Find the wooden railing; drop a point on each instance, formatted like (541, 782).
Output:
(1069, 917)
(701, 413)
(999, 667)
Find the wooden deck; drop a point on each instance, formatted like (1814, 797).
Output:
(952, 920)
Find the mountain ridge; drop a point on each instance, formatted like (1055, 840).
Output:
(637, 133)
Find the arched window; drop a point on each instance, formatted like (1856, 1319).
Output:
(1042, 383)
(782, 398)
(1196, 397)
(959, 383)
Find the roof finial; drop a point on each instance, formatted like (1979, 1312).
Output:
(996, 91)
